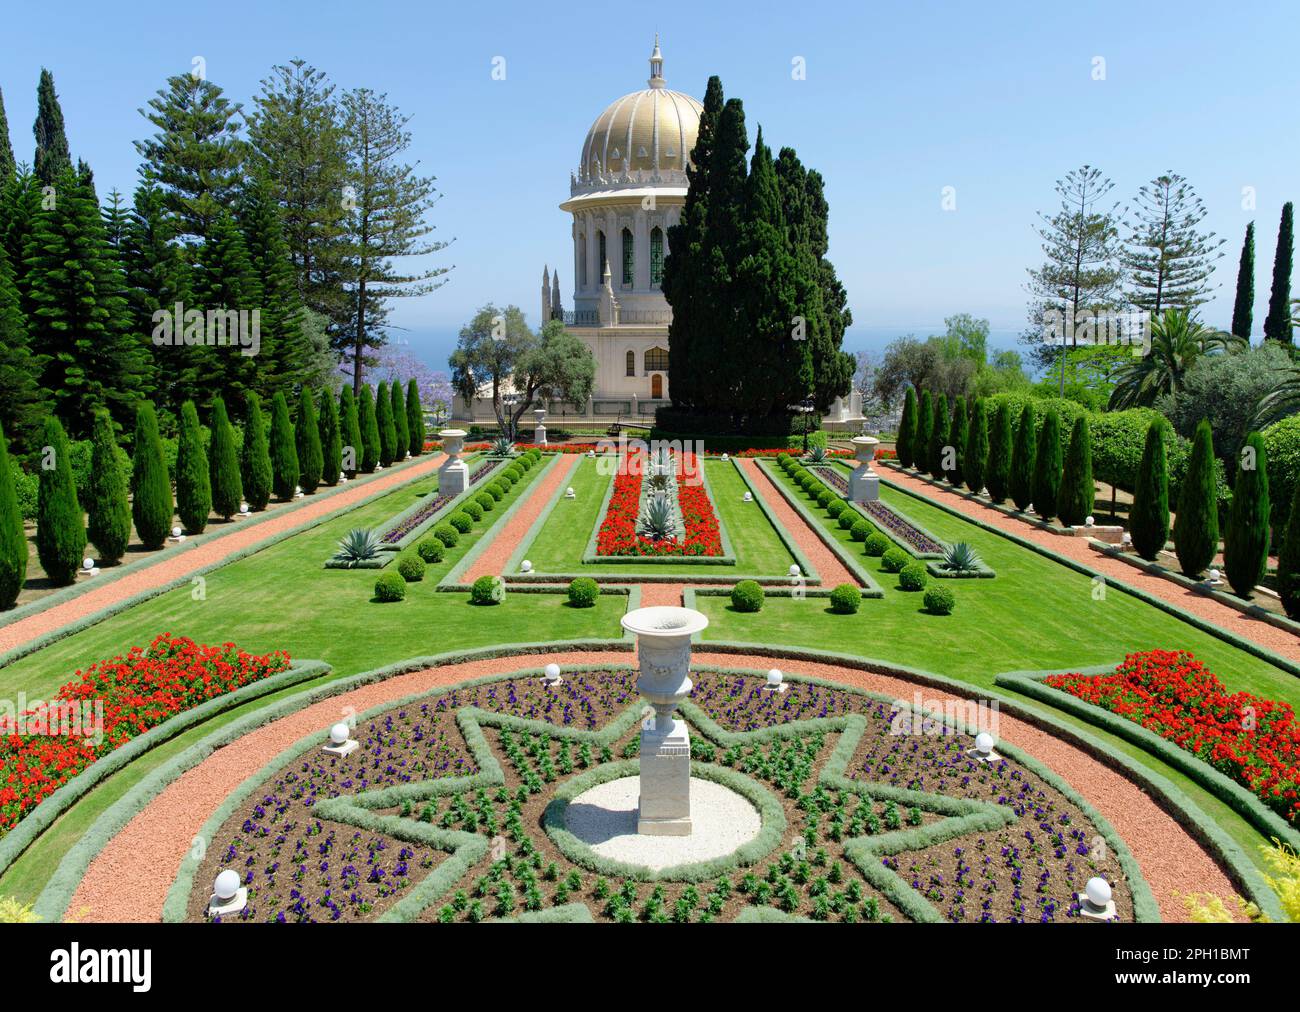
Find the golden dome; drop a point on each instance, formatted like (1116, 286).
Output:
(651, 131)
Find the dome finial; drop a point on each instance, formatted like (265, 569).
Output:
(656, 66)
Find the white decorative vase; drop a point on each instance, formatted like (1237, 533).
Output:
(539, 433)
(453, 476)
(864, 484)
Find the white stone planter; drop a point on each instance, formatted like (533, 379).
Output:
(864, 484)
(453, 476)
(539, 433)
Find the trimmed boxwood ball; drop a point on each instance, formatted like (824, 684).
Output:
(488, 590)
(747, 596)
(431, 549)
(877, 545)
(894, 559)
(912, 576)
(474, 510)
(495, 491)
(461, 521)
(939, 600)
(485, 500)
(514, 472)
(447, 534)
(848, 518)
(583, 592)
(860, 529)
(390, 587)
(507, 479)
(835, 507)
(411, 566)
(845, 599)
(824, 499)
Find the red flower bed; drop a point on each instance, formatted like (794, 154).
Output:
(618, 534)
(1253, 740)
(109, 704)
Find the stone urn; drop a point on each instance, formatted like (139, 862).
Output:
(864, 484)
(539, 433)
(453, 476)
(664, 655)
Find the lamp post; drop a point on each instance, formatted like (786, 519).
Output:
(805, 407)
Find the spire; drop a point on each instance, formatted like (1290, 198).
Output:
(656, 66)
(557, 308)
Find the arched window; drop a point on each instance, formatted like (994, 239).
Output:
(631, 362)
(629, 256)
(656, 360)
(600, 267)
(656, 255)
(582, 261)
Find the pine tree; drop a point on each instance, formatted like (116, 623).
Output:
(938, 437)
(108, 510)
(24, 404)
(369, 428)
(193, 484)
(384, 420)
(60, 526)
(255, 463)
(331, 440)
(924, 429)
(284, 454)
(1149, 514)
(1077, 489)
(13, 537)
(1167, 258)
(225, 286)
(906, 438)
(151, 488)
(7, 164)
(1277, 325)
(350, 432)
(1023, 460)
(414, 418)
(957, 435)
(1288, 560)
(158, 279)
(1047, 467)
(1196, 529)
(286, 354)
(998, 476)
(403, 440)
(223, 464)
(976, 460)
(311, 458)
(1245, 542)
(52, 155)
(1243, 308)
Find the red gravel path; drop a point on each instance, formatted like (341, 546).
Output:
(129, 879)
(656, 594)
(826, 562)
(212, 551)
(1245, 626)
(508, 536)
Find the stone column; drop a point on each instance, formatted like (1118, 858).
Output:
(539, 433)
(864, 484)
(453, 476)
(664, 654)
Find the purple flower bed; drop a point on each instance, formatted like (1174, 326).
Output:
(421, 516)
(883, 515)
(833, 478)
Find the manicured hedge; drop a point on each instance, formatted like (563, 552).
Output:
(845, 599)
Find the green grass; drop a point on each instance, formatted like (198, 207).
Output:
(562, 541)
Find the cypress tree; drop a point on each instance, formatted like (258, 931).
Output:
(975, 463)
(350, 431)
(924, 429)
(906, 439)
(13, 538)
(223, 474)
(1196, 528)
(311, 458)
(1047, 467)
(108, 510)
(1288, 560)
(1149, 515)
(1077, 489)
(52, 155)
(151, 487)
(403, 442)
(60, 526)
(998, 476)
(193, 484)
(7, 164)
(938, 437)
(284, 455)
(414, 418)
(957, 437)
(331, 440)
(1245, 542)
(369, 430)
(1277, 325)
(1243, 307)
(384, 420)
(255, 465)
(1021, 484)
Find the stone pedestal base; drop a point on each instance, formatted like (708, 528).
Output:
(864, 485)
(344, 750)
(539, 435)
(216, 908)
(453, 477)
(1086, 909)
(665, 808)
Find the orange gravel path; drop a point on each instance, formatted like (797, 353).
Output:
(492, 562)
(1245, 626)
(657, 594)
(827, 563)
(160, 573)
(129, 879)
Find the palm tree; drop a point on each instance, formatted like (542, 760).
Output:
(1283, 399)
(1178, 339)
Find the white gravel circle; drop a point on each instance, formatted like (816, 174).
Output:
(604, 818)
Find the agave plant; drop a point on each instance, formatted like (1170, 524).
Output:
(359, 545)
(961, 558)
(818, 455)
(663, 461)
(502, 446)
(659, 482)
(656, 520)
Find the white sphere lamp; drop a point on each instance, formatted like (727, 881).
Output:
(1098, 892)
(339, 733)
(87, 564)
(1088, 522)
(227, 886)
(176, 531)
(795, 570)
(984, 743)
(749, 497)
(1215, 576)
(774, 678)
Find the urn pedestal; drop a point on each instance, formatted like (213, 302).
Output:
(864, 484)
(453, 476)
(664, 656)
(539, 433)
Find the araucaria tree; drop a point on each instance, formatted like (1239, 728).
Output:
(1166, 256)
(1196, 529)
(906, 439)
(331, 440)
(108, 509)
(1277, 325)
(1243, 306)
(369, 430)
(414, 418)
(1047, 467)
(255, 464)
(60, 530)
(151, 487)
(311, 458)
(284, 454)
(1023, 458)
(1149, 515)
(975, 461)
(223, 464)
(193, 482)
(13, 539)
(998, 477)
(1077, 489)
(1245, 542)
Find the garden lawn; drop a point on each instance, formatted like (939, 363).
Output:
(563, 539)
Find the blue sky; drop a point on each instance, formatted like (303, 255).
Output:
(899, 101)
